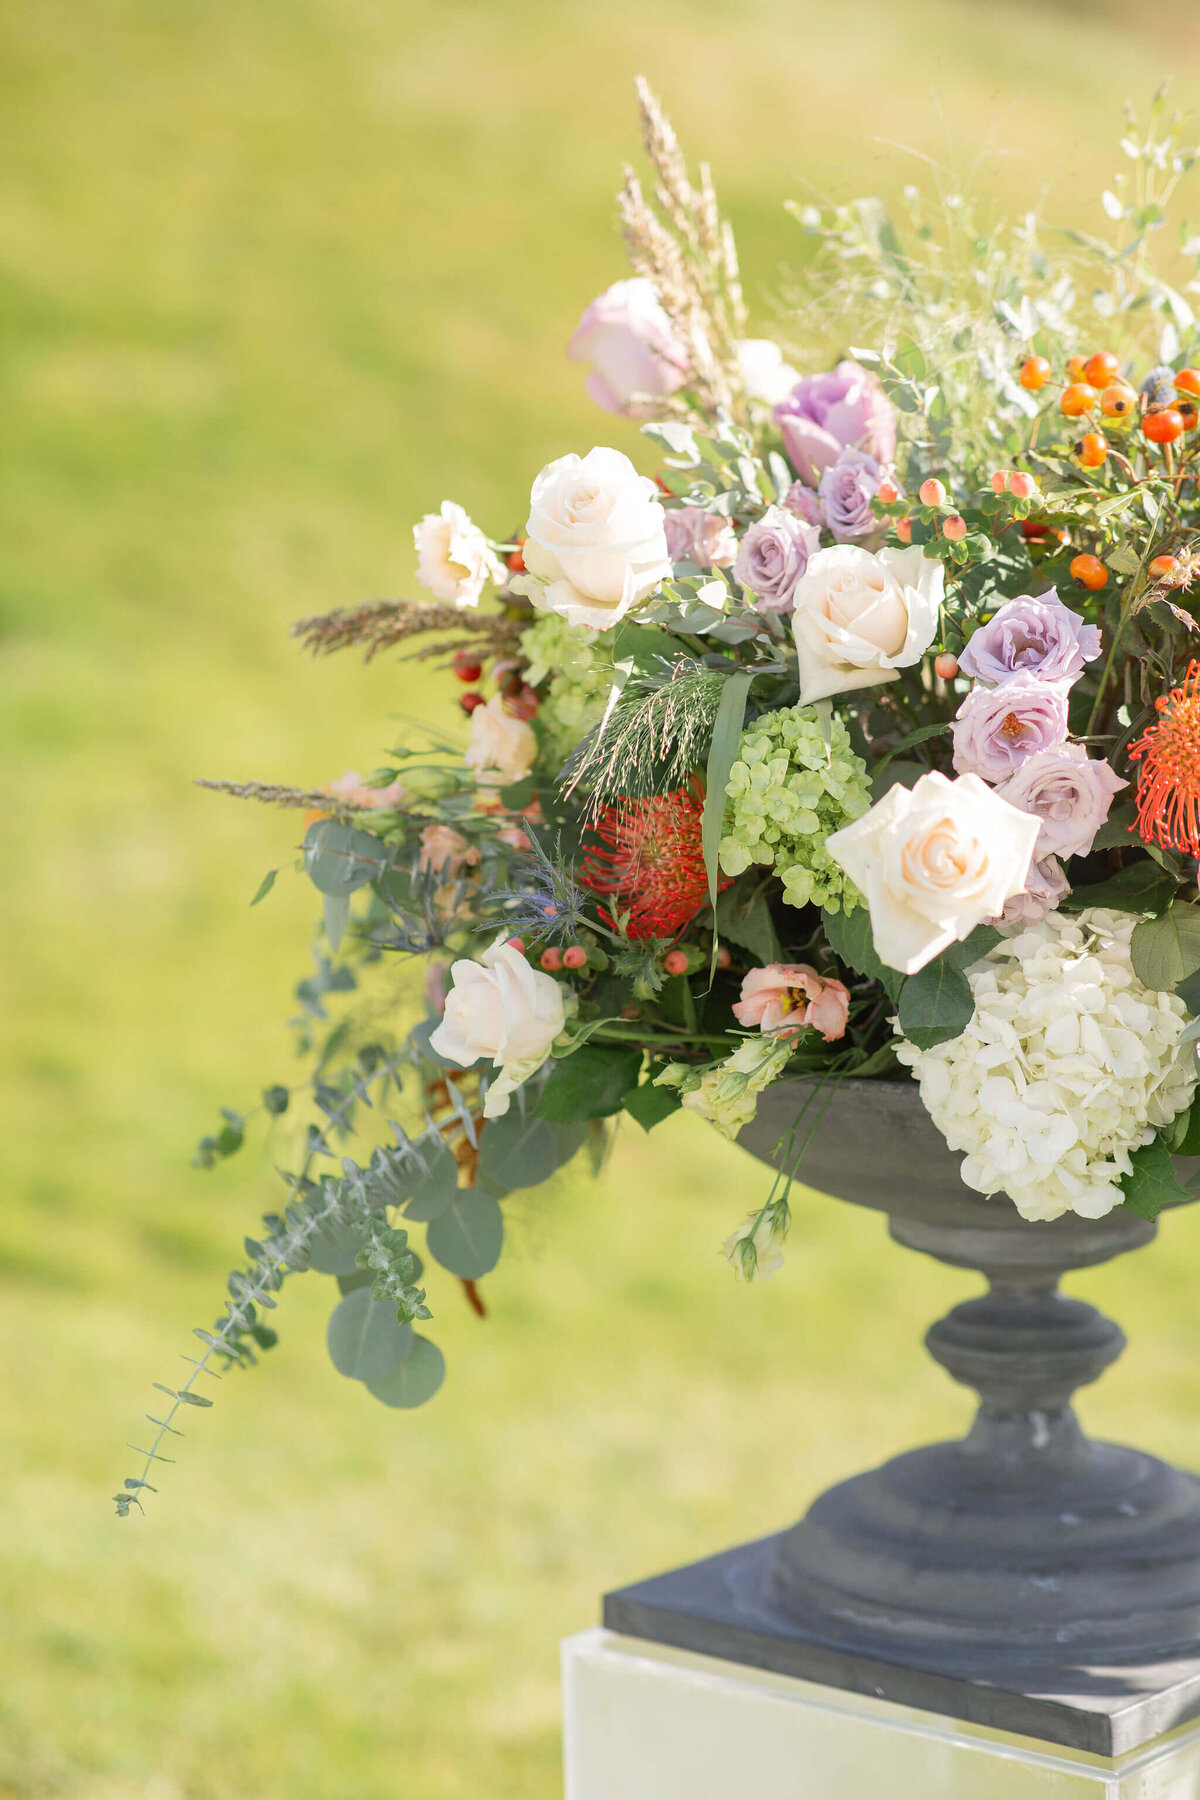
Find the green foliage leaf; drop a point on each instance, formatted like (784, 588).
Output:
(1152, 1183)
(936, 1004)
(1188, 1128)
(849, 936)
(339, 859)
(337, 912)
(1166, 950)
(366, 1340)
(417, 1379)
(745, 919)
(264, 886)
(976, 944)
(1140, 887)
(722, 754)
(522, 1150)
(650, 1105)
(468, 1236)
(591, 1083)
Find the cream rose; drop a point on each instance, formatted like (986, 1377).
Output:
(934, 861)
(596, 540)
(502, 1009)
(859, 615)
(453, 558)
(501, 748)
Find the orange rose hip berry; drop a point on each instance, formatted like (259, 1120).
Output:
(1089, 572)
(1077, 399)
(1035, 373)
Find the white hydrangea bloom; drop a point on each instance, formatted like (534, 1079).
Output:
(1068, 1064)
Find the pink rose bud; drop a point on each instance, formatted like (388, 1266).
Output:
(955, 528)
(575, 957)
(675, 962)
(1022, 486)
(945, 666)
(933, 493)
(999, 481)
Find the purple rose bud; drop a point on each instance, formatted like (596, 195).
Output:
(998, 729)
(801, 500)
(847, 489)
(826, 414)
(1069, 791)
(1045, 889)
(773, 556)
(700, 537)
(1035, 635)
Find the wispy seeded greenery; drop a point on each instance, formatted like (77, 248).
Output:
(656, 736)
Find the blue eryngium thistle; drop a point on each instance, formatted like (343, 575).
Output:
(547, 904)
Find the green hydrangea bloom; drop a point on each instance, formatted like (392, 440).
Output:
(792, 785)
(579, 664)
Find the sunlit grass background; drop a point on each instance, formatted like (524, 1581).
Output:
(275, 279)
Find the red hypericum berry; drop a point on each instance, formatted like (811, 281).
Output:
(1035, 373)
(1162, 566)
(724, 957)
(1077, 399)
(999, 481)
(904, 530)
(551, 960)
(888, 493)
(575, 957)
(1187, 381)
(1118, 401)
(945, 666)
(1163, 425)
(933, 492)
(1077, 368)
(955, 528)
(515, 560)
(1101, 369)
(675, 962)
(470, 701)
(1089, 572)
(517, 944)
(1034, 529)
(468, 668)
(1092, 450)
(1021, 485)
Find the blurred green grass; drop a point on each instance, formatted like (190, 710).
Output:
(273, 281)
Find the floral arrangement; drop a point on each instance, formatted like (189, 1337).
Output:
(862, 739)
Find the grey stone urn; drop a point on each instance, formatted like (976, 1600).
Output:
(1025, 1558)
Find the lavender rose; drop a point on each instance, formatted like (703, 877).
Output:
(998, 729)
(1036, 634)
(826, 414)
(847, 488)
(1069, 791)
(704, 538)
(773, 556)
(1045, 889)
(628, 338)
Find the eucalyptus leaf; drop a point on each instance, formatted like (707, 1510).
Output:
(366, 1340)
(434, 1179)
(468, 1236)
(523, 1150)
(334, 1249)
(337, 912)
(417, 1379)
(339, 859)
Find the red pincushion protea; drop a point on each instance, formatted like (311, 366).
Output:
(647, 854)
(1168, 794)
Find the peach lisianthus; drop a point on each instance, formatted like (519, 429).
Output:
(789, 997)
(443, 848)
(351, 788)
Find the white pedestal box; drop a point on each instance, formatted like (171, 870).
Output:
(644, 1721)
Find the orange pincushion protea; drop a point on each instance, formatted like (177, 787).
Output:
(647, 854)
(1168, 793)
